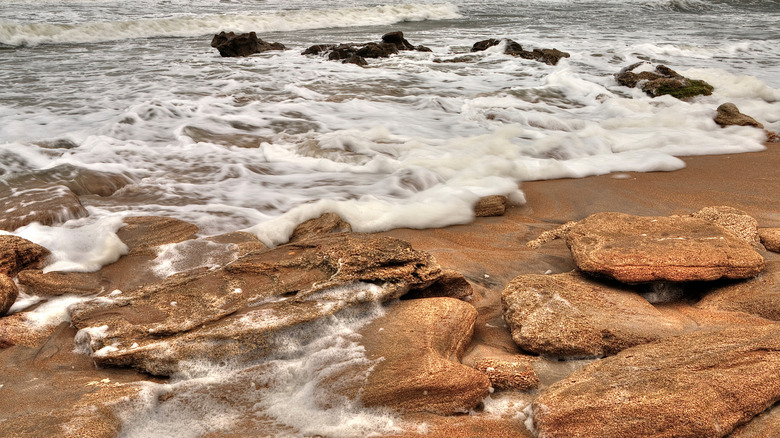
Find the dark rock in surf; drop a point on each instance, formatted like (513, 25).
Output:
(494, 205)
(355, 53)
(397, 38)
(661, 81)
(547, 56)
(231, 45)
(729, 115)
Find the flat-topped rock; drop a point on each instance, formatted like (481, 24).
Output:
(635, 249)
(737, 221)
(415, 349)
(567, 315)
(234, 311)
(701, 384)
(758, 296)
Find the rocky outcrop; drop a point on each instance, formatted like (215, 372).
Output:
(491, 206)
(509, 374)
(729, 115)
(17, 253)
(46, 205)
(415, 349)
(234, 312)
(737, 221)
(451, 284)
(325, 224)
(635, 249)
(547, 56)
(8, 293)
(569, 315)
(355, 53)
(231, 45)
(770, 238)
(661, 81)
(718, 379)
(758, 296)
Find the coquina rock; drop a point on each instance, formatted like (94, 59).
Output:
(231, 45)
(47, 205)
(8, 293)
(416, 349)
(770, 238)
(635, 249)
(324, 224)
(729, 115)
(700, 385)
(758, 296)
(547, 56)
(766, 425)
(662, 80)
(233, 312)
(491, 206)
(17, 253)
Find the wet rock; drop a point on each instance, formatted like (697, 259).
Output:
(737, 221)
(231, 45)
(770, 238)
(661, 81)
(8, 293)
(729, 115)
(59, 283)
(491, 206)
(325, 224)
(354, 53)
(416, 347)
(451, 284)
(547, 56)
(509, 374)
(766, 425)
(397, 38)
(718, 379)
(758, 296)
(376, 50)
(49, 205)
(635, 249)
(145, 233)
(234, 312)
(17, 253)
(79, 180)
(21, 329)
(569, 315)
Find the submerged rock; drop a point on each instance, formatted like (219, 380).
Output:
(233, 312)
(716, 379)
(325, 224)
(356, 53)
(661, 81)
(231, 45)
(635, 249)
(729, 115)
(46, 205)
(547, 56)
(415, 349)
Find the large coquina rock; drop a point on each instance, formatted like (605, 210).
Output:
(635, 249)
(415, 351)
(46, 205)
(570, 315)
(758, 296)
(17, 253)
(662, 80)
(699, 385)
(231, 45)
(234, 312)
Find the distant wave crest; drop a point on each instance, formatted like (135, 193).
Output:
(30, 34)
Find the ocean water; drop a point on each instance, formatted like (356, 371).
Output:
(264, 142)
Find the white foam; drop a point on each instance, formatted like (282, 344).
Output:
(82, 245)
(51, 312)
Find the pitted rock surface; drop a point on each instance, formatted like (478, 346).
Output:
(700, 384)
(234, 311)
(758, 296)
(770, 238)
(635, 249)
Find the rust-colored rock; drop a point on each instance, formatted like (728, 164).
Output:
(729, 115)
(59, 283)
(144, 233)
(325, 224)
(770, 238)
(737, 221)
(491, 206)
(635, 249)
(509, 374)
(47, 205)
(417, 346)
(758, 296)
(8, 293)
(17, 253)
(235, 311)
(766, 425)
(700, 385)
(571, 315)
(452, 284)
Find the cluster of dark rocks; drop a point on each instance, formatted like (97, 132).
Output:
(350, 53)
(547, 56)
(662, 81)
